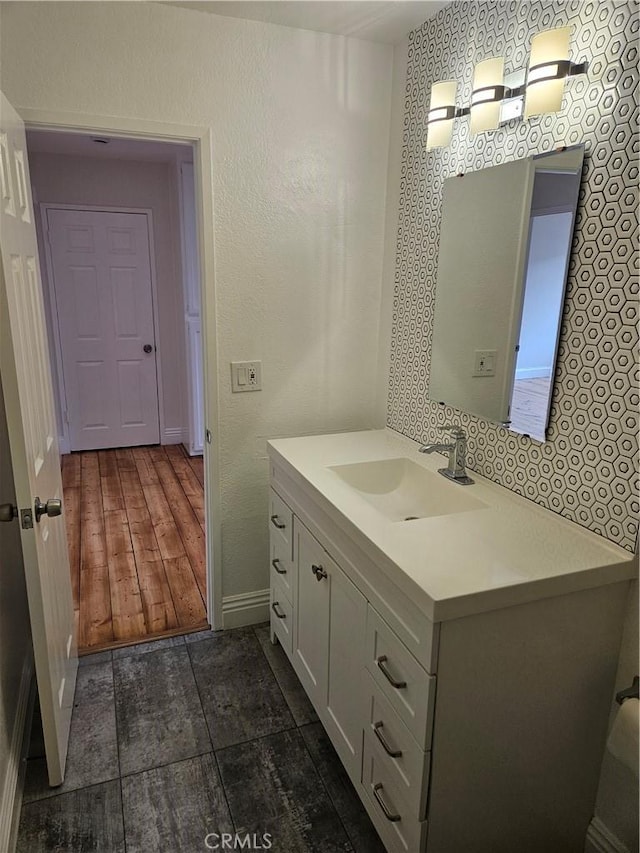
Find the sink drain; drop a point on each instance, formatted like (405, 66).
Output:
(411, 518)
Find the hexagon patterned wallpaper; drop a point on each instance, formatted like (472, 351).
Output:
(587, 470)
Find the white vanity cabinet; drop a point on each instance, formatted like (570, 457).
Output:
(472, 719)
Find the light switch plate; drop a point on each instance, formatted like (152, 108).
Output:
(484, 362)
(246, 376)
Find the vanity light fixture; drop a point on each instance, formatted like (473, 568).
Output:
(549, 66)
(488, 93)
(442, 112)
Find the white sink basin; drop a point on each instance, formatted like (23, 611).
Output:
(403, 491)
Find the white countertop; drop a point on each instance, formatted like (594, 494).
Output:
(506, 553)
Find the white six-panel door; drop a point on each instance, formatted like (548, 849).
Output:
(26, 381)
(103, 295)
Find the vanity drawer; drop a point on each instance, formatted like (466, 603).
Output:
(282, 567)
(281, 523)
(281, 614)
(408, 765)
(406, 685)
(391, 813)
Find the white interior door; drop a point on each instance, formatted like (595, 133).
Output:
(102, 281)
(26, 380)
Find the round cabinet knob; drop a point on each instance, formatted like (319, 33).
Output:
(52, 508)
(147, 348)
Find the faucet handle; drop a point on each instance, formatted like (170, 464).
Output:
(455, 429)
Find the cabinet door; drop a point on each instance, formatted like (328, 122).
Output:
(315, 574)
(346, 708)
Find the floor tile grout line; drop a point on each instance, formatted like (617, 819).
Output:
(115, 714)
(276, 679)
(298, 728)
(215, 758)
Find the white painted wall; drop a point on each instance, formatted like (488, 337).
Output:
(300, 130)
(63, 179)
(394, 169)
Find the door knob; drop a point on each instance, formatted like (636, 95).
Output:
(147, 348)
(8, 512)
(52, 508)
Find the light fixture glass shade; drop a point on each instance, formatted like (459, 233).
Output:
(443, 100)
(488, 89)
(544, 89)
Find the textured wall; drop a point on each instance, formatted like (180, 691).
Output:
(300, 129)
(63, 179)
(587, 470)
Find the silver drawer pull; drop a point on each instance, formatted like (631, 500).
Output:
(394, 753)
(319, 572)
(276, 563)
(274, 607)
(381, 666)
(276, 523)
(394, 818)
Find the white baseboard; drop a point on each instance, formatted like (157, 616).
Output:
(172, 435)
(601, 840)
(533, 373)
(247, 609)
(63, 445)
(12, 773)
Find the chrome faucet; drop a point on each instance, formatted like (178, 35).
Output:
(457, 450)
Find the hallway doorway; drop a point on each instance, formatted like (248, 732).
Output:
(117, 228)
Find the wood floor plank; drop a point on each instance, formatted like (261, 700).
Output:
(93, 547)
(126, 600)
(110, 481)
(96, 627)
(136, 543)
(164, 525)
(186, 522)
(197, 463)
(116, 525)
(144, 466)
(190, 486)
(124, 456)
(71, 504)
(157, 601)
(71, 471)
(186, 596)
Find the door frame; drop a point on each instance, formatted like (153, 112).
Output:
(200, 137)
(45, 207)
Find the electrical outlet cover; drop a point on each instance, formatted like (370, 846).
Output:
(246, 376)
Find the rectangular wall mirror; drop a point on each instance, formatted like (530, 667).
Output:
(505, 246)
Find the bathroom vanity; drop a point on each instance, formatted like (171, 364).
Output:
(462, 661)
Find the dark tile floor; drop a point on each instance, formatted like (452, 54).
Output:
(175, 739)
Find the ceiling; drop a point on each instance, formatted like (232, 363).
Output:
(83, 145)
(386, 21)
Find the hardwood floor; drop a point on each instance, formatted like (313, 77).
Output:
(135, 526)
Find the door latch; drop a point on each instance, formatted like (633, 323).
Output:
(26, 518)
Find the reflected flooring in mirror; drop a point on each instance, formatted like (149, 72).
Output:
(529, 406)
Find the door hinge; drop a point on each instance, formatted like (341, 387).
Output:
(207, 435)
(26, 518)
